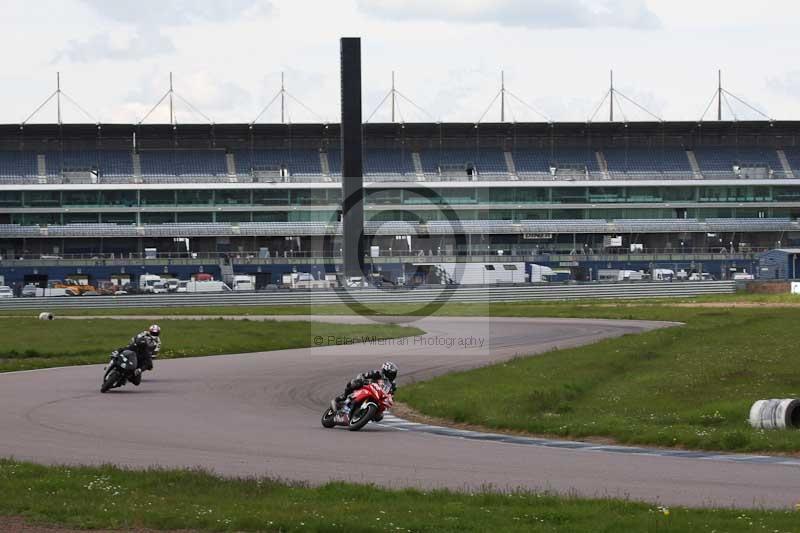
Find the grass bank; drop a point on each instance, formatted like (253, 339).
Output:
(689, 386)
(105, 498)
(474, 309)
(29, 343)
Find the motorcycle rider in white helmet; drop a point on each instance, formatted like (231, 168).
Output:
(145, 346)
(387, 372)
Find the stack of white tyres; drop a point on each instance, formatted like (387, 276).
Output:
(775, 414)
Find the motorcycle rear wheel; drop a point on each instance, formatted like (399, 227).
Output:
(110, 380)
(328, 418)
(360, 417)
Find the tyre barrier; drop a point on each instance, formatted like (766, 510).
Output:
(775, 414)
(46, 316)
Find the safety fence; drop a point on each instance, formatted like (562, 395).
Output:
(623, 290)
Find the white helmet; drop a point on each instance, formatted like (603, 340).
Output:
(389, 370)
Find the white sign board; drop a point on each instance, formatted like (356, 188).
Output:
(795, 289)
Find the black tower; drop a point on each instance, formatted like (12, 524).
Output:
(352, 163)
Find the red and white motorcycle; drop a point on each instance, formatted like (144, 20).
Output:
(366, 404)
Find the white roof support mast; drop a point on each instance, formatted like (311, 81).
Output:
(285, 96)
(57, 94)
(724, 96)
(394, 96)
(505, 103)
(170, 96)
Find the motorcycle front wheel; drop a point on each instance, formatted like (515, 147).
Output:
(110, 380)
(328, 418)
(360, 416)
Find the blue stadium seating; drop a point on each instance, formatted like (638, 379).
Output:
(539, 161)
(720, 160)
(377, 161)
(388, 164)
(485, 161)
(116, 163)
(388, 161)
(647, 161)
(107, 162)
(532, 161)
(183, 163)
(301, 162)
(17, 164)
(793, 156)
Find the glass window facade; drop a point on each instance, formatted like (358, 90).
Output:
(10, 199)
(42, 199)
(81, 218)
(195, 216)
(412, 204)
(157, 218)
(80, 198)
(118, 218)
(195, 197)
(233, 216)
(271, 197)
(118, 198)
(157, 198)
(232, 197)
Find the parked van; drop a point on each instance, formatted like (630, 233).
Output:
(147, 283)
(244, 283)
(663, 274)
(207, 286)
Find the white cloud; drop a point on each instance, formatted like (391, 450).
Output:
(176, 12)
(546, 14)
(147, 18)
(108, 46)
(450, 65)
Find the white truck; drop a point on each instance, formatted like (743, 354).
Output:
(151, 284)
(50, 291)
(540, 273)
(663, 274)
(243, 282)
(304, 280)
(613, 274)
(206, 286)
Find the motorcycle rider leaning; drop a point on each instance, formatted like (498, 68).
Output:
(388, 372)
(145, 345)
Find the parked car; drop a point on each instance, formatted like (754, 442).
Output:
(29, 290)
(6, 292)
(160, 288)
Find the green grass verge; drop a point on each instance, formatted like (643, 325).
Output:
(29, 343)
(690, 386)
(474, 309)
(112, 498)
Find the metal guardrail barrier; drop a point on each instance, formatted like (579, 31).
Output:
(621, 290)
(397, 258)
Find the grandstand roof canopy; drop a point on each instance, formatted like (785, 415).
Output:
(36, 136)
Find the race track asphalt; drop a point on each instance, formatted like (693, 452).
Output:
(258, 415)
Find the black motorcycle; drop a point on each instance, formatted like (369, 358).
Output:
(121, 369)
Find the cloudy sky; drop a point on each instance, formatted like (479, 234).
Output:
(227, 57)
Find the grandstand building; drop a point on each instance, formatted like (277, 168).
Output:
(265, 199)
